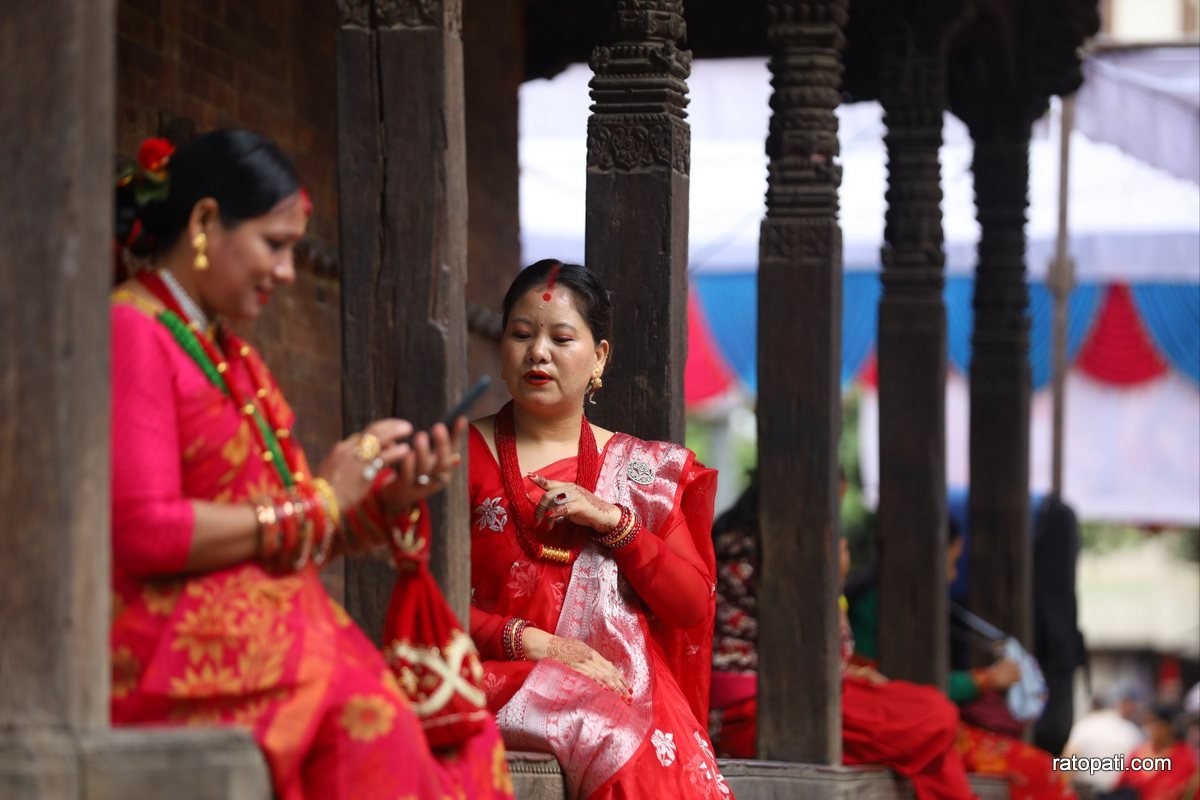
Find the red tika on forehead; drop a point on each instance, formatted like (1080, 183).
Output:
(306, 202)
(550, 282)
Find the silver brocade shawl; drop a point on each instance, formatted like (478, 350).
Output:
(589, 728)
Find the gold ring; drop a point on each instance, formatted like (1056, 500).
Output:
(367, 447)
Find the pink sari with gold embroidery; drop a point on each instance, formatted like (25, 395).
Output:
(657, 746)
(240, 646)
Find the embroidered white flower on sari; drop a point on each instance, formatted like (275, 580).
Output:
(524, 580)
(664, 747)
(492, 515)
(704, 748)
(701, 774)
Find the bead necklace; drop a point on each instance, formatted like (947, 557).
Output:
(587, 473)
(278, 449)
(191, 309)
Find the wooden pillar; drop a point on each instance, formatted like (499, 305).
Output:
(638, 157)
(799, 407)
(912, 345)
(56, 147)
(1001, 588)
(1001, 84)
(402, 209)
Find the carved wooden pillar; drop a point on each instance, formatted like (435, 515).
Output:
(1002, 80)
(637, 213)
(799, 407)
(912, 345)
(1001, 588)
(402, 208)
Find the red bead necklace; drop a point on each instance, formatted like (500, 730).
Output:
(586, 475)
(273, 437)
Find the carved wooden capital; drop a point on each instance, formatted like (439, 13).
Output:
(354, 13)
(636, 20)
(445, 14)
(790, 240)
(634, 143)
(806, 68)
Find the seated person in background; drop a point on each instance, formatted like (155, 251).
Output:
(1102, 733)
(1173, 778)
(1029, 770)
(908, 728)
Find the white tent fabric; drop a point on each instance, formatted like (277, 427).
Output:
(1131, 455)
(1140, 598)
(1161, 85)
(1129, 221)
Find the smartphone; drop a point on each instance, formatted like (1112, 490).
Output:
(469, 399)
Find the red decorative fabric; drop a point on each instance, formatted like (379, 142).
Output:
(239, 646)
(903, 726)
(1176, 783)
(1030, 772)
(705, 374)
(1118, 349)
(434, 660)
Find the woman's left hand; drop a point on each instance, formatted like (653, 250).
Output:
(570, 501)
(425, 469)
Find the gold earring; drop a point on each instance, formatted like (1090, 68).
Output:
(201, 244)
(594, 385)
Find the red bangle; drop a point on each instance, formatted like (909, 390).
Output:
(511, 638)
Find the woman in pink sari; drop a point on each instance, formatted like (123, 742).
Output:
(219, 525)
(591, 563)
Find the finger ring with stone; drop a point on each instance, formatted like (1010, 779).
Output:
(372, 469)
(423, 480)
(367, 447)
(561, 499)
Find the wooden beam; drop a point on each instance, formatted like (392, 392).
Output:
(799, 390)
(56, 147)
(402, 186)
(638, 157)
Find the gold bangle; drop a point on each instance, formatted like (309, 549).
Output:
(328, 498)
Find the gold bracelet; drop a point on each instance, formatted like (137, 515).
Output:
(329, 499)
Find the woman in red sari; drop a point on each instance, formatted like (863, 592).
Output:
(219, 525)
(591, 564)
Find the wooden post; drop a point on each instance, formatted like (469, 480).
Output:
(912, 346)
(402, 208)
(1000, 86)
(799, 408)
(638, 153)
(1001, 588)
(56, 145)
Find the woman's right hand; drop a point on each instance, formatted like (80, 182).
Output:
(347, 471)
(1003, 674)
(578, 656)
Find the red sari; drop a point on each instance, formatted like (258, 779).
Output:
(239, 646)
(647, 608)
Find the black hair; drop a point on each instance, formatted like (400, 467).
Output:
(244, 171)
(591, 298)
(953, 530)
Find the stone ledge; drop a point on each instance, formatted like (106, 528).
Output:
(537, 776)
(124, 763)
